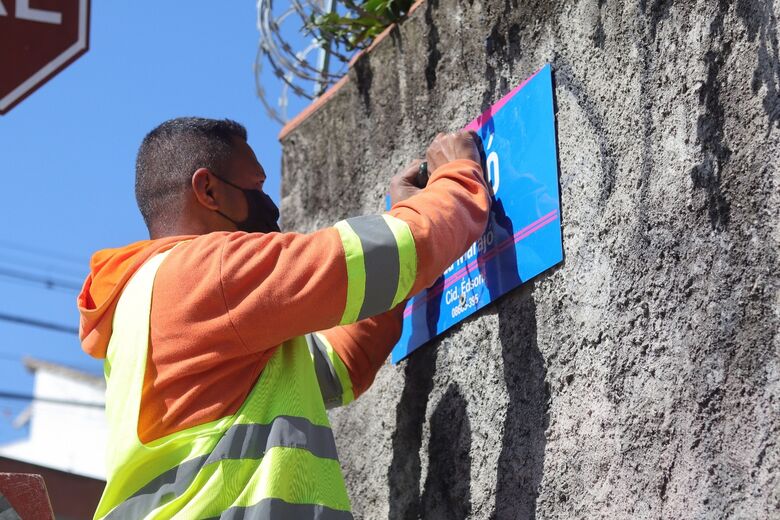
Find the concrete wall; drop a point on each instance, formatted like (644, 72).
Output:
(641, 378)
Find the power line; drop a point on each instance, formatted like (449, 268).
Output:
(47, 281)
(47, 325)
(47, 253)
(33, 265)
(30, 397)
(15, 259)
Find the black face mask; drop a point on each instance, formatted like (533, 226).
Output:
(263, 213)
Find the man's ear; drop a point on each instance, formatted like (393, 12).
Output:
(204, 187)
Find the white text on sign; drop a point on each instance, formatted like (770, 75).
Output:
(491, 164)
(25, 12)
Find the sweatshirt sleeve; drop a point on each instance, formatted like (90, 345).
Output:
(445, 219)
(362, 348)
(278, 286)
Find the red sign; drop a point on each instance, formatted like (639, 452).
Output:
(38, 38)
(23, 496)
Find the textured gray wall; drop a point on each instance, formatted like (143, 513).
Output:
(641, 378)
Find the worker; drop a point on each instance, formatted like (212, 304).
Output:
(225, 340)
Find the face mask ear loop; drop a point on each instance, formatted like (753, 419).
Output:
(230, 219)
(227, 181)
(238, 226)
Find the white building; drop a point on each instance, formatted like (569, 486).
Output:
(64, 436)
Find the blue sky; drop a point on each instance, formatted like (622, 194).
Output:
(67, 154)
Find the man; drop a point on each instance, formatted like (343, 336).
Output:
(217, 379)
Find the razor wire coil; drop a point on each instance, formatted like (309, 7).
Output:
(297, 70)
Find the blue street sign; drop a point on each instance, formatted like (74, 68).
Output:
(523, 237)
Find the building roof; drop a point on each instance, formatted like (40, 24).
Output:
(33, 365)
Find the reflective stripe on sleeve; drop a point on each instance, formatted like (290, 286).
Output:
(330, 386)
(347, 393)
(274, 508)
(240, 441)
(407, 252)
(332, 375)
(381, 264)
(380, 254)
(356, 272)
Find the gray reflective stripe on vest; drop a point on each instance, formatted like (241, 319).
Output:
(330, 386)
(382, 261)
(275, 509)
(241, 441)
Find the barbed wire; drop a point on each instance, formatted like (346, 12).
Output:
(297, 71)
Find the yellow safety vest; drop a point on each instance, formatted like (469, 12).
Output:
(274, 458)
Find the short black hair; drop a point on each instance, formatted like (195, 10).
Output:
(171, 153)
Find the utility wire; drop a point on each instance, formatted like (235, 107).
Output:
(14, 259)
(47, 325)
(30, 397)
(47, 253)
(47, 281)
(33, 265)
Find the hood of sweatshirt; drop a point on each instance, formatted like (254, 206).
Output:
(110, 270)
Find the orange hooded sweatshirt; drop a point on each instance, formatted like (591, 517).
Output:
(223, 302)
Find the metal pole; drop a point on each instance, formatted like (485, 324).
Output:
(323, 62)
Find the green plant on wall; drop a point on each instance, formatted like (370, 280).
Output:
(360, 24)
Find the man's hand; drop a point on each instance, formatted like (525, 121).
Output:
(445, 148)
(403, 186)
(450, 147)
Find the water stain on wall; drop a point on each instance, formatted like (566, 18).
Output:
(760, 20)
(708, 174)
(434, 55)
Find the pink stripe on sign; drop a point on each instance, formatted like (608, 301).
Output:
(490, 112)
(530, 228)
(481, 260)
